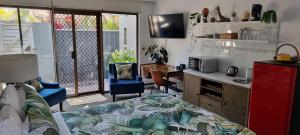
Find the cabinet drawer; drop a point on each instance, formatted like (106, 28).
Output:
(210, 104)
(191, 89)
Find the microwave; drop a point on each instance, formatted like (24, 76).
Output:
(203, 64)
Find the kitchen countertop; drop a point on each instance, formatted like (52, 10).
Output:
(218, 76)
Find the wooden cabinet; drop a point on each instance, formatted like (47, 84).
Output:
(235, 103)
(211, 104)
(224, 99)
(191, 90)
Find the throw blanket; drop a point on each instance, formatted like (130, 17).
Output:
(151, 115)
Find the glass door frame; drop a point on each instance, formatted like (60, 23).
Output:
(137, 39)
(73, 13)
(137, 28)
(100, 41)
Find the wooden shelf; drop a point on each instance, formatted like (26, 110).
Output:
(218, 90)
(216, 98)
(240, 22)
(236, 40)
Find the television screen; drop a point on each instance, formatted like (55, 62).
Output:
(167, 26)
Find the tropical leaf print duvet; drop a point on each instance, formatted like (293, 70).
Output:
(151, 115)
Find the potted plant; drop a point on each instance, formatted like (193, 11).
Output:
(269, 16)
(196, 17)
(157, 54)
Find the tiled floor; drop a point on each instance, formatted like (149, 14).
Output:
(68, 107)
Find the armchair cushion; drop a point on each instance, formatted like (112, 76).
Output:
(112, 78)
(127, 87)
(121, 86)
(139, 78)
(124, 71)
(51, 92)
(52, 96)
(52, 85)
(35, 83)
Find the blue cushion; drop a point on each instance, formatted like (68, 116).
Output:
(126, 87)
(53, 96)
(126, 82)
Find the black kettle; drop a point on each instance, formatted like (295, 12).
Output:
(232, 71)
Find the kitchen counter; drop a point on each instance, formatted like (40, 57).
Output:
(218, 76)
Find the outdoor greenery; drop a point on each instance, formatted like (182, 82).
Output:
(8, 14)
(27, 15)
(123, 56)
(110, 22)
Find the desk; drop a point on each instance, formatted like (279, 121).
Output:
(172, 72)
(168, 71)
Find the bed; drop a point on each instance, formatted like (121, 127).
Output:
(160, 114)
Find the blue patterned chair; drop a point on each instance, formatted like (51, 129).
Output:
(52, 93)
(136, 85)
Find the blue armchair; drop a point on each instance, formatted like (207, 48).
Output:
(53, 93)
(136, 85)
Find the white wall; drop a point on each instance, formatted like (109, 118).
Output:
(287, 10)
(147, 9)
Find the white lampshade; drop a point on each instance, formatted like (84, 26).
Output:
(18, 68)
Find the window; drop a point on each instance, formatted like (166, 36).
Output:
(35, 37)
(9, 30)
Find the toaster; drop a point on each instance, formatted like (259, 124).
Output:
(203, 64)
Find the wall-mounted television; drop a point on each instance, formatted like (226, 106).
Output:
(167, 26)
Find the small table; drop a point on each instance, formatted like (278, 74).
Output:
(172, 72)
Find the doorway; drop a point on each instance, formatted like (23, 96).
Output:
(120, 40)
(78, 51)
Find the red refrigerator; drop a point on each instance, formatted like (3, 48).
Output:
(275, 99)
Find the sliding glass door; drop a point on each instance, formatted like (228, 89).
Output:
(119, 40)
(77, 45)
(81, 46)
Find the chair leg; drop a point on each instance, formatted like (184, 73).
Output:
(140, 94)
(61, 106)
(176, 89)
(114, 98)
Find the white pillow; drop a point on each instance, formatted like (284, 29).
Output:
(22, 96)
(10, 122)
(11, 97)
(25, 127)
